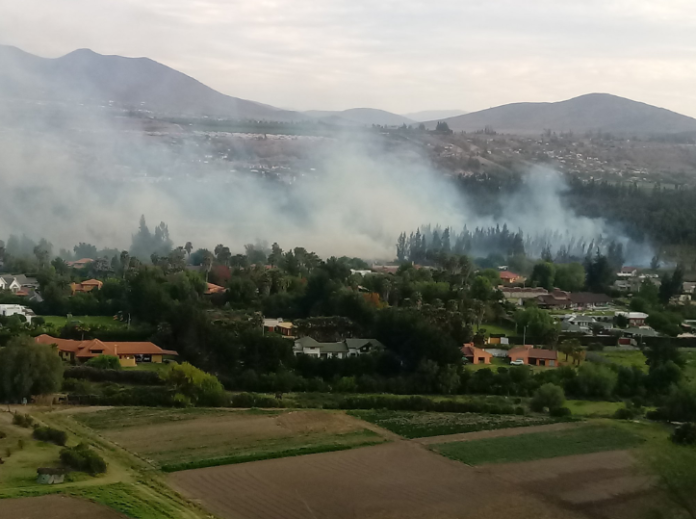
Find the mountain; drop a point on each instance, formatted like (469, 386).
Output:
(431, 115)
(594, 112)
(85, 77)
(362, 116)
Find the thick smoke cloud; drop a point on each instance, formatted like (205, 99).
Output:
(87, 177)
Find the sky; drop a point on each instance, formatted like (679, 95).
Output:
(401, 56)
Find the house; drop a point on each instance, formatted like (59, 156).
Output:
(211, 289)
(557, 299)
(627, 272)
(79, 264)
(635, 319)
(360, 272)
(284, 328)
(10, 310)
(510, 278)
(498, 340)
(339, 350)
(15, 283)
(86, 286)
(476, 355)
(588, 300)
(519, 295)
(532, 356)
(385, 269)
(128, 353)
(688, 287)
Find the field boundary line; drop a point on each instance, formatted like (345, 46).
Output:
(496, 433)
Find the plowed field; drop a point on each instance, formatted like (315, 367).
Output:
(54, 507)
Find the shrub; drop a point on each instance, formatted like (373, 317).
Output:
(200, 387)
(251, 400)
(560, 412)
(629, 412)
(83, 459)
(22, 420)
(685, 434)
(519, 410)
(596, 346)
(146, 378)
(104, 362)
(48, 434)
(549, 396)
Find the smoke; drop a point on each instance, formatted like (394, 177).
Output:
(84, 175)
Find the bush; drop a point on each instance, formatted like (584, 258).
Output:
(629, 412)
(83, 459)
(251, 400)
(549, 396)
(48, 434)
(199, 387)
(519, 410)
(104, 362)
(22, 420)
(421, 403)
(560, 412)
(146, 378)
(596, 346)
(685, 434)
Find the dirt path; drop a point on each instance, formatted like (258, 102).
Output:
(496, 433)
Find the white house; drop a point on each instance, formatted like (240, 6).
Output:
(9, 283)
(338, 350)
(9, 310)
(634, 318)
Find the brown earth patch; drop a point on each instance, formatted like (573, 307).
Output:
(54, 507)
(397, 480)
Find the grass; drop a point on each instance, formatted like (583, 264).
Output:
(592, 408)
(494, 329)
(422, 424)
(526, 447)
(637, 359)
(120, 417)
(100, 320)
(371, 439)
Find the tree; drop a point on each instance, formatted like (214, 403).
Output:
(28, 369)
(570, 277)
(600, 274)
(539, 324)
(188, 248)
(549, 396)
(193, 385)
(596, 380)
(543, 275)
(621, 321)
(569, 347)
(125, 262)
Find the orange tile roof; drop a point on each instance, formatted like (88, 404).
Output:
(214, 289)
(95, 347)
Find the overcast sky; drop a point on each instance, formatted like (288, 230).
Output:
(400, 56)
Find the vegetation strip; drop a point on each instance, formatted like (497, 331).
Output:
(533, 446)
(244, 458)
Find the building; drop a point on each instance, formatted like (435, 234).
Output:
(15, 283)
(588, 300)
(635, 319)
(86, 286)
(338, 350)
(128, 353)
(10, 310)
(79, 264)
(284, 328)
(532, 356)
(519, 295)
(510, 278)
(211, 289)
(475, 355)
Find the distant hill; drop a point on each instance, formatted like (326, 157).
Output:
(431, 115)
(85, 77)
(603, 112)
(362, 116)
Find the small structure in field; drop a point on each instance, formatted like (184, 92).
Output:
(50, 476)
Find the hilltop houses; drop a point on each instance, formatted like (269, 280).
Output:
(339, 350)
(86, 286)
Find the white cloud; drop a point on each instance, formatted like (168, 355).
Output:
(397, 55)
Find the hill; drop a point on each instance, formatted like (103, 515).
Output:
(362, 116)
(430, 115)
(591, 112)
(85, 77)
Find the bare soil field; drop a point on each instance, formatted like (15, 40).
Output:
(54, 507)
(397, 480)
(179, 436)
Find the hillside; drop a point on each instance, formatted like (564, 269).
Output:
(86, 77)
(589, 112)
(362, 116)
(430, 115)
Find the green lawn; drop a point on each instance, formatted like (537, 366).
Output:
(497, 329)
(584, 439)
(625, 358)
(412, 424)
(593, 409)
(90, 320)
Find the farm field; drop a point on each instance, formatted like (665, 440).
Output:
(60, 508)
(399, 480)
(592, 408)
(421, 424)
(179, 439)
(637, 359)
(526, 447)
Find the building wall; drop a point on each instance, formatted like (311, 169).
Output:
(127, 362)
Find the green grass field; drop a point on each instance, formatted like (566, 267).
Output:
(637, 359)
(422, 424)
(180, 439)
(88, 320)
(584, 439)
(497, 330)
(593, 409)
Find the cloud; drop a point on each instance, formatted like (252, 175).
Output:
(400, 56)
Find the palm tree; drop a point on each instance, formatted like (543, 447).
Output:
(188, 248)
(125, 262)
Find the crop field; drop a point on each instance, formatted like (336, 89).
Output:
(179, 439)
(525, 447)
(398, 480)
(421, 424)
(60, 508)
